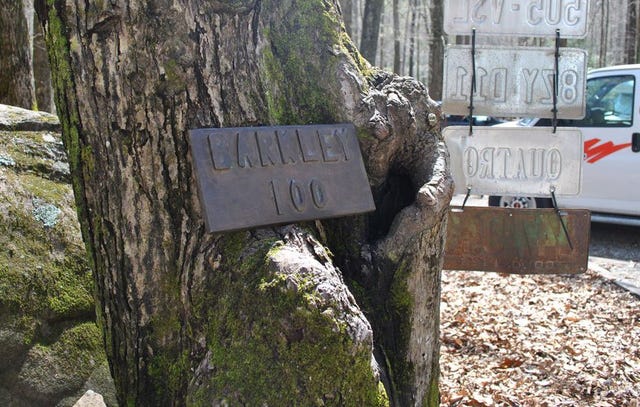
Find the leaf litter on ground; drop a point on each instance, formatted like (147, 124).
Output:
(539, 340)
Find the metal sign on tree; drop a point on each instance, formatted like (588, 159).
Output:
(258, 176)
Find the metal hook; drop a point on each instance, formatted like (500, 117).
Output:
(466, 197)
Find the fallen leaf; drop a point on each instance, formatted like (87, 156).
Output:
(508, 363)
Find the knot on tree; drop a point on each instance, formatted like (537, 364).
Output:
(406, 159)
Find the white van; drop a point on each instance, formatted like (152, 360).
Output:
(611, 134)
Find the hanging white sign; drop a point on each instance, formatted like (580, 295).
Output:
(515, 81)
(528, 161)
(525, 18)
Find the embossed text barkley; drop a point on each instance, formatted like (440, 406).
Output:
(258, 176)
(256, 147)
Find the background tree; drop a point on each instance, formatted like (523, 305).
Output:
(630, 38)
(258, 316)
(16, 75)
(371, 29)
(411, 33)
(435, 28)
(41, 67)
(347, 13)
(396, 38)
(612, 34)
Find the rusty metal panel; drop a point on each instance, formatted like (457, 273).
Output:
(517, 241)
(514, 81)
(524, 18)
(258, 176)
(515, 160)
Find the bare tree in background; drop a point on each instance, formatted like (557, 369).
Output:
(16, 74)
(412, 34)
(631, 32)
(347, 15)
(396, 38)
(41, 69)
(436, 48)
(371, 29)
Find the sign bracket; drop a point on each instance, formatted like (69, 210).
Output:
(564, 226)
(466, 197)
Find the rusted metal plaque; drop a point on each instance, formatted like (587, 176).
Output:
(517, 241)
(524, 18)
(514, 81)
(515, 160)
(258, 176)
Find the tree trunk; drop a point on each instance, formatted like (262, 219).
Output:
(347, 14)
(412, 35)
(436, 48)
(257, 317)
(16, 75)
(604, 37)
(631, 33)
(396, 38)
(371, 29)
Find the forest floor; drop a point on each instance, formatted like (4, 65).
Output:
(553, 340)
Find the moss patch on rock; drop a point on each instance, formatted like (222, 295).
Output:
(43, 268)
(50, 344)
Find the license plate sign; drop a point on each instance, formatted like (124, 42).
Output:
(527, 161)
(540, 18)
(517, 241)
(514, 81)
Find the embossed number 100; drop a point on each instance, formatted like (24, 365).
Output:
(298, 194)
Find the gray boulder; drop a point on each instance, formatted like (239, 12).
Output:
(51, 350)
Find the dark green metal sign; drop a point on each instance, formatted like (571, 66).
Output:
(517, 241)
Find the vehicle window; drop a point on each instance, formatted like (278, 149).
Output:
(609, 103)
(526, 121)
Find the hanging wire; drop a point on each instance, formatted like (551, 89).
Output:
(556, 76)
(473, 78)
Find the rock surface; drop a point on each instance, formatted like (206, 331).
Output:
(51, 350)
(90, 399)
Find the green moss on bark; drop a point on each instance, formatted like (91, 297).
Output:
(397, 314)
(59, 50)
(269, 343)
(297, 62)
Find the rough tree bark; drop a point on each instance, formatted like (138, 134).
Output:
(338, 312)
(16, 75)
